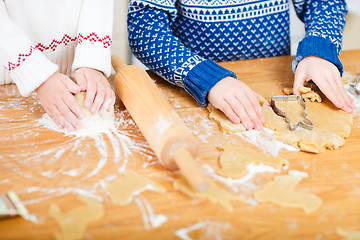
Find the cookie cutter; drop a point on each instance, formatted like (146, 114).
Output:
(354, 87)
(305, 123)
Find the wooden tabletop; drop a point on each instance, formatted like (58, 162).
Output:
(44, 167)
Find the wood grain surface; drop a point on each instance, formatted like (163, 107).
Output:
(44, 167)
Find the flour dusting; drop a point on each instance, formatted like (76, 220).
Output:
(151, 220)
(213, 230)
(265, 140)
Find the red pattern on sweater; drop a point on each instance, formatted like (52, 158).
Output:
(92, 37)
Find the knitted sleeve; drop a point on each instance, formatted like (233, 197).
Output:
(324, 23)
(94, 36)
(154, 44)
(27, 66)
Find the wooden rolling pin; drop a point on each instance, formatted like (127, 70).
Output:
(166, 133)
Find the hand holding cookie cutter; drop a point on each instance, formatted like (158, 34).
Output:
(305, 123)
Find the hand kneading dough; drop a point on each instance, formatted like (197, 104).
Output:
(73, 223)
(123, 189)
(234, 160)
(348, 233)
(93, 124)
(281, 191)
(214, 193)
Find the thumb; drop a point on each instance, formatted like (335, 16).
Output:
(299, 81)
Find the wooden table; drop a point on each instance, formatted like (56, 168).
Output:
(45, 167)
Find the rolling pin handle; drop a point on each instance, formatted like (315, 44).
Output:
(188, 167)
(117, 63)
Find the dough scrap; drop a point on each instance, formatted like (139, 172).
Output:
(349, 234)
(235, 159)
(307, 93)
(281, 191)
(214, 194)
(74, 222)
(123, 189)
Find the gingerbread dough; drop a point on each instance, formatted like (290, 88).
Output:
(214, 193)
(348, 233)
(74, 222)
(123, 189)
(234, 160)
(331, 127)
(281, 191)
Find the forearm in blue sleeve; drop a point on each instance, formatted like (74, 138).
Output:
(154, 44)
(324, 23)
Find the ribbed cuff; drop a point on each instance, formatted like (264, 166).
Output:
(319, 47)
(93, 55)
(32, 73)
(203, 77)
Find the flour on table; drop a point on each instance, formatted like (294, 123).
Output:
(206, 229)
(151, 220)
(91, 124)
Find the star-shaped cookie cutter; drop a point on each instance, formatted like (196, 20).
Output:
(305, 123)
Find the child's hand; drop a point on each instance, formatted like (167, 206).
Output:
(238, 102)
(55, 95)
(327, 77)
(99, 95)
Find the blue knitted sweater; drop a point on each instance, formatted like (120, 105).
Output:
(181, 40)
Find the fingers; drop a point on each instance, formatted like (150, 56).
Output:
(300, 79)
(71, 86)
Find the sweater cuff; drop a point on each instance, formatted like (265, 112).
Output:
(93, 55)
(32, 73)
(203, 77)
(319, 47)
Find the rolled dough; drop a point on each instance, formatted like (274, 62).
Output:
(348, 233)
(235, 159)
(74, 222)
(331, 127)
(214, 193)
(281, 191)
(123, 189)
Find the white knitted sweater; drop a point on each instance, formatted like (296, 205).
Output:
(40, 37)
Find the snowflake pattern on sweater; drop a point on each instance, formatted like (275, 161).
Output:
(182, 39)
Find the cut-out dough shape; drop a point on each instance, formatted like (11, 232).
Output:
(74, 222)
(307, 93)
(349, 234)
(281, 191)
(123, 189)
(235, 159)
(214, 193)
